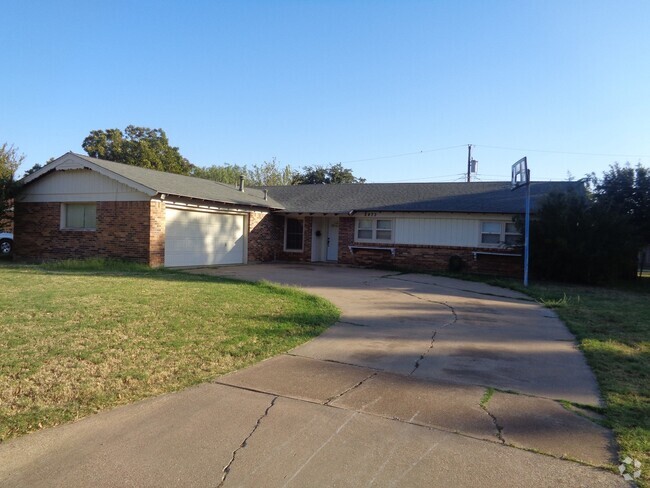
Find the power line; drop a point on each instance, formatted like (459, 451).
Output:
(456, 175)
(424, 151)
(573, 153)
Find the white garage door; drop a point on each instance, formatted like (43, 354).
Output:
(201, 238)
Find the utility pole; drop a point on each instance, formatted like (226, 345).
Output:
(469, 162)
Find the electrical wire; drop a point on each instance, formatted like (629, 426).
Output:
(504, 148)
(573, 153)
(425, 178)
(424, 151)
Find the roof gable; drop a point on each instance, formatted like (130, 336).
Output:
(152, 182)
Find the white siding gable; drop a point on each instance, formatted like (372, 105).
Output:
(437, 232)
(81, 185)
(456, 230)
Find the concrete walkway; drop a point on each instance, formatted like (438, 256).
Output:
(426, 381)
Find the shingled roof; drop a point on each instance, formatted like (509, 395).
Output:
(160, 182)
(477, 197)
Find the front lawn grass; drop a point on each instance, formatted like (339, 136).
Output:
(612, 325)
(77, 338)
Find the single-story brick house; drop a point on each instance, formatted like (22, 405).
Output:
(79, 207)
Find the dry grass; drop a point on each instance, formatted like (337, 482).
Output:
(76, 342)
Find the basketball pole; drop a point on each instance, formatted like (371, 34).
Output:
(527, 230)
(521, 177)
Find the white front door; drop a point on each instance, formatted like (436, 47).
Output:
(333, 240)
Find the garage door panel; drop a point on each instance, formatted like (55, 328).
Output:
(201, 238)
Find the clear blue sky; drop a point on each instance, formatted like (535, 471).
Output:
(314, 82)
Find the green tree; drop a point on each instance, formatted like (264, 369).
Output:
(227, 173)
(137, 146)
(333, 174)
(572, 239)
(625, 191)
(10, 160)
(269, 173)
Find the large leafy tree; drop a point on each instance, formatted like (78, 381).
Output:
(227, 173)
(269, 173)
(10, 159)
(333, 174)
(138, 146)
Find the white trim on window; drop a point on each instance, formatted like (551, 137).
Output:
(79, 216)
(295, 234)
(374, 229)
(498, 234)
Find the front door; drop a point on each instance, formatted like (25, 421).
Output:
(333, 240)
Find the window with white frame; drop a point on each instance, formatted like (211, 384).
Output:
(81, 216)
(293, 231)
(499, 233)
(380, 230)
(512, 237)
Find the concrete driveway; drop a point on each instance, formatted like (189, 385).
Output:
(424, 381)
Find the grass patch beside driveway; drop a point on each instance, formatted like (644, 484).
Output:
(612, 325)
(79, 338)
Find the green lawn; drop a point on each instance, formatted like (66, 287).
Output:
(76, 339)
(612, 325)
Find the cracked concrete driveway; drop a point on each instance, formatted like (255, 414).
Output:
(424, 381)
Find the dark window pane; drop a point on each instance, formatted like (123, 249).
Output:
(490, 238)
(294, 234)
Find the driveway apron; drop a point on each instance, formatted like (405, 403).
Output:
(425, 381)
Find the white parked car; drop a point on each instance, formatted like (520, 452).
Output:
(6, 243)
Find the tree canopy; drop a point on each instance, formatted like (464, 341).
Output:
(137, 146)
(626, 191)
(269, 173)
(333, 174)
(10, 159)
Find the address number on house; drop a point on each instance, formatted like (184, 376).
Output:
(370, 214)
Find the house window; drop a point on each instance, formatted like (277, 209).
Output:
(499, 233)
(79, 216)
(512, 235)
(293, 231)
(374, 230)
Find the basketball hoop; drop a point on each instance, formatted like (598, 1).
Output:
(520, 174)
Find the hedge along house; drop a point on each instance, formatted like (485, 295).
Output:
(78, 207)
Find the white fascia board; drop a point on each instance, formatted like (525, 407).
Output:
(70, 161)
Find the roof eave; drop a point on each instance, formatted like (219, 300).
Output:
(220, 202)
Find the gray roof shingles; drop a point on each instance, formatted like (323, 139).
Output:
(477, 197)
(186, 186)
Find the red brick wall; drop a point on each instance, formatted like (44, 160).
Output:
(157, 234)
(123, 232)
(346, 238)
(436, 258)
(265, 235)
